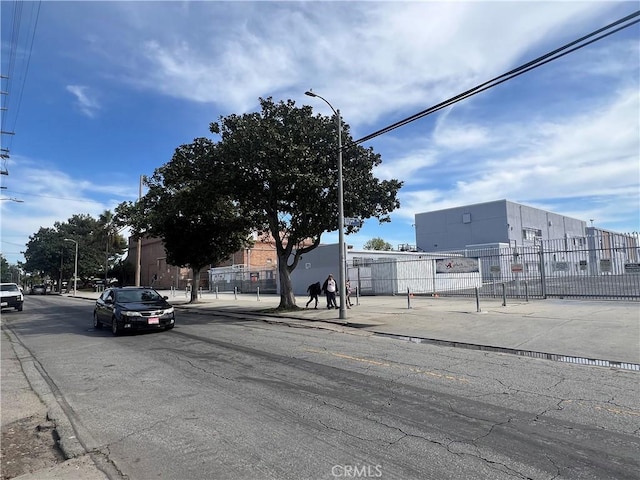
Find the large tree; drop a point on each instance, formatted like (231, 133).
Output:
(282, 165)
(191, 208)
(49, 255)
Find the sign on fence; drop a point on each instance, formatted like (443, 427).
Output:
(561, 266)
(457, 265)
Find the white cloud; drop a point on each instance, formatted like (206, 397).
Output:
(591, 154)
(85, 101)
(371, 59)
(50, 195)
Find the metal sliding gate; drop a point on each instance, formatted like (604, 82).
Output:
(603, 266)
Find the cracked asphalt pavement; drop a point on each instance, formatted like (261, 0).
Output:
(238, 398)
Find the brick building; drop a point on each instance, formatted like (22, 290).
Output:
(155, 271)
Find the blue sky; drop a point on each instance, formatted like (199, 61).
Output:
(112, 88)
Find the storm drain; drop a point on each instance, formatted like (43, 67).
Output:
(513, 351)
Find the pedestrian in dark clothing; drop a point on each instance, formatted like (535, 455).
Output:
(313, 290)
(330, 288)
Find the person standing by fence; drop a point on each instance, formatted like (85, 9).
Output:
(348, 294)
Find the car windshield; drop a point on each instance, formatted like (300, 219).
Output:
(132, 296)
(9, 288)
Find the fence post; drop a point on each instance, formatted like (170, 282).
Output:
(543, 278)
(357, 295)
(216, 292)
(199, 292)
(477, 300)
(504, 295)
(526, 291)
(235, 293)
(258, 292)
(408, 298)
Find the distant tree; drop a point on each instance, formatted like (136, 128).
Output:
(377, 244)
(190, 207)
(114, 243)
(49, 255)
(281, 164)
(5, 272)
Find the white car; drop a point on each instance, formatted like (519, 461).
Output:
(11, 296)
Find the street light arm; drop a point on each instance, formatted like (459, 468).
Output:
(309, 93)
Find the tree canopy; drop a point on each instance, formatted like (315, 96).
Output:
(377, 243)
(8, 273)
(191, 208)
(282, 165)
(99, 248)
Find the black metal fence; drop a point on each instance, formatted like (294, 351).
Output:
(604, 266)
(229, 279)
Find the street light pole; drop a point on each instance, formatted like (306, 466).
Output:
(342, 270)
(75, 270)
(139, 245)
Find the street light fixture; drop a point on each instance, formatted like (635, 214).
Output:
(75, 271)
(342, 272)
(17, 200)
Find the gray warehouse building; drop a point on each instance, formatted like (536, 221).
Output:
(491, 223)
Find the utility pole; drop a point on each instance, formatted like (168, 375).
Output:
(139, 249)
(60, 284)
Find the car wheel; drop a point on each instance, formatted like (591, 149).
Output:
(114, 327)
(170, 326)
(19, 307)
(96, 322)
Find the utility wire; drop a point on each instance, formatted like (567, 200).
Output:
(542, 60)
(11, 74)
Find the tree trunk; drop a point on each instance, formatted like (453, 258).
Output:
(287, 298)
(195, 284)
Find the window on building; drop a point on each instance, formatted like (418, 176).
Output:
(531, 233)
(361, 262)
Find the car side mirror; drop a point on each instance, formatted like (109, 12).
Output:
(166, 297)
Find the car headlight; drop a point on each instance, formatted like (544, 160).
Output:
(168, 311)
(130, 314)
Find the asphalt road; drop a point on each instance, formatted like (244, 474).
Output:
(220, 398)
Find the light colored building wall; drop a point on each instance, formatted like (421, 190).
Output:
(379, 272)
(500, 221)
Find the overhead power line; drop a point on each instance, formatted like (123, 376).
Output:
(11, 78)
(542, 60)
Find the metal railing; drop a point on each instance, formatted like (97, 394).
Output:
(601, 267)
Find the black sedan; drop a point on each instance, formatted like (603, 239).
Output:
(133, 308)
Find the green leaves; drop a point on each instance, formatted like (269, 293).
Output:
(190, 207)
(273, 171)
(99, 247)
(283, 166)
